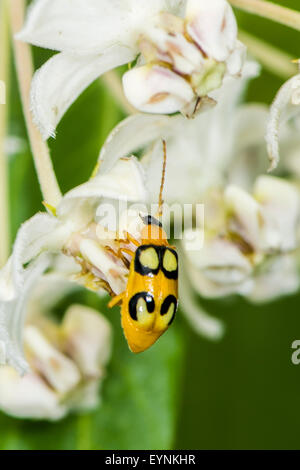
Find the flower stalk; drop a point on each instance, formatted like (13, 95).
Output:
(114, 84)
(273, 59)
(4, 201)
(24, 66)
(271, 11)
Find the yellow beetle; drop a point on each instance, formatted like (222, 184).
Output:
(149, 303)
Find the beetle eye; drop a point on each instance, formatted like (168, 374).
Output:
(141, 308)
(149, 220)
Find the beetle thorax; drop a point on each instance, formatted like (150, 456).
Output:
(153, 234)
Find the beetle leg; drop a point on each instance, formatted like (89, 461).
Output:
(125, 250)
(119, 254)
(123, 258)
(117, 300)
(130, 238)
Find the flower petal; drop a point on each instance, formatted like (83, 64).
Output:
(156, 89)
(133, 133)
(206, 287)
(17, 282)
(245, 215)
(124, 182)
(250, 159)
(173, 48)
(28, 396)
(207, 143)
(90, 26)
(237, 59)
(219, 262)
(278, 277)
(12, 317)
(97, 256)
(280, 202)
(53, 286)
(87, 339)
(60, 371)
(203, 323)
(213, 26)
(59, 82)
(77, 26)
(32, 237)
(86, 397)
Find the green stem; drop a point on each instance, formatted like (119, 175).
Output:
(84, 432)
(40, 151)
(4, 75)
(114, 83)
(274, 60)
(271, 11)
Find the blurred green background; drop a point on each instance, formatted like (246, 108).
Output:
(185, 392)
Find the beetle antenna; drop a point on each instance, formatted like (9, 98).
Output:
(163, 177)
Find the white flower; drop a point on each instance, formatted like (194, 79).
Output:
(67, 361)
(251, 224)
(199, 150)
(199, 154)
(253, 252)
(185, 48)
(72, 229)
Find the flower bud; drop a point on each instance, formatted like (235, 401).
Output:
(156, 89)
(87, 339)
(61, 373)
(212, 26)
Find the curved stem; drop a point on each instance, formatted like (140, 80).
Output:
(4, 75)
(84, 432)
(24, 66)
(271, 11)
(274, 60)
(114, 83)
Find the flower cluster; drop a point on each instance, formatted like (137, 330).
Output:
(250, 242)
(67, 361)
(184, 57)
(69, 242)
(250, 236)
(185, 48)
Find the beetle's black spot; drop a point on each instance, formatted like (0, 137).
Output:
(149, 300)
(171, 299)
(139, 267)
(169, 274)
(146, 271)
(149, 220)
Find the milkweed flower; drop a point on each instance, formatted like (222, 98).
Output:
(184, 48)
(67, 361)
(251, 246)
(199, 150)
(70, 232)
(251, 223)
